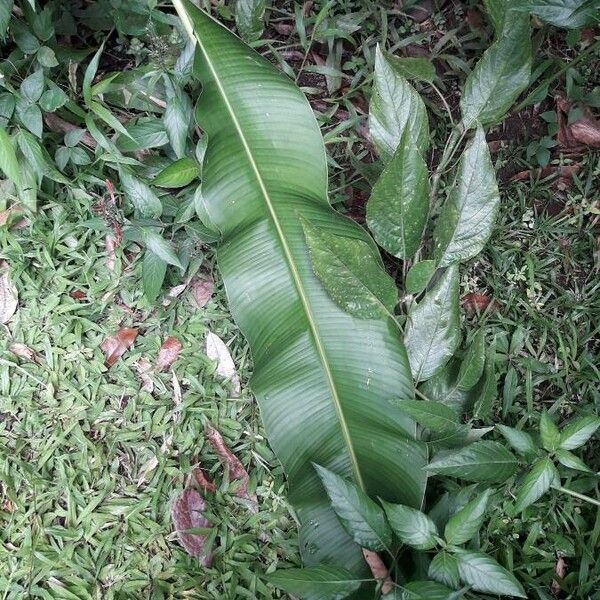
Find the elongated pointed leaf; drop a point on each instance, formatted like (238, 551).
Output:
(249, 15)
(486, 390)
(362, 518)
(536, 483)
(549, 432)
(578, 432)
(465, 222)
(395, 107)
(178, 174)
(572, 461)
(471, 367)
(432, 333)
(141, 195)
(411, 525)
(398, 207)
(419, 276)
(444, 569)
(464, 524)
(484, 574)
(482, 461)
(571, 14)
(501, 74)
(8, 158)
(323, 378)
(422, 590)
(521, 441)
(433, 415)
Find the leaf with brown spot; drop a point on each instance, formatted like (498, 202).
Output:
(187, 513)
(9, 299)
(168, 353)
(379, 570)
(237, 472)
(23, 351)
(202, 290)
(115, 346)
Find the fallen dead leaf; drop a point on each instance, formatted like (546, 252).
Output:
(581, 133)
(475, 302)
(7, 214)
(202, 290)
(586, 131)
(168, 353)
(187, 513)
(9, 299)
(23, 351)
(202, 481)
(115, 346)
(143, 369)
(78, 295)
(7, 506)
(561, 570)
(563, 181)
(111, 258)
(379, 570)
(237, 472)
(217, 350)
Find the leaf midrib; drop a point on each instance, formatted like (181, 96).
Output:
(293, 269)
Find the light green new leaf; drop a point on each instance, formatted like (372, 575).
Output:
(141, 195)
(8, 158)
(395, 107)
(500, 76)
(570, 460)
(471, 367)
(110, 119)
(412, 526)
(322, 582)
(484, 574)
(90, 73)
(154, 269)
(444, 569)
(482, 461)
(549, 433)
(323, 378)
(432, 332)
(398, 208)
(178, 174)
(571, 14)
(536, 483)
(249, 18)
(466, 219)
(578, 432)
(361, 517)
(521, 441)
(350, 272)
(464, 524)
(419, 276)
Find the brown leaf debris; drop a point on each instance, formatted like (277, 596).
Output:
(115, 346)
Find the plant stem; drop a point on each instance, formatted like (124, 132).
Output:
(185, 20)
(451, 145)
(580, 496)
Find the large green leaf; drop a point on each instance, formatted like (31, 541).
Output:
(323, 378)
(577, 432)
(465, 222)
(465, 523)
(484, 574)
(571, 14)
(536, 483)
(412, 526)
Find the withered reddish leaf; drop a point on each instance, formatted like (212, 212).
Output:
(187, 513)
(78, 295)
(561, 570)
(115, 346)
(168, 353)
(475, 302)
(379, 570)
(586, 131)
(143, 369)
(23, 351)
(563, 181)
(202, 480)
(9, 299)
(202, 289)
(237, 472)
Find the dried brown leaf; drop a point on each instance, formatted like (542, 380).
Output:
(115, 346)
(379, 570)
(144, 369)
(202, 481)
(23, 351)
(475, 302)
(110, 245)
(9, 299)
(586, 131)
(168, 353)
(187, 513)
(218, 351)
(202, 290)
(561, 570)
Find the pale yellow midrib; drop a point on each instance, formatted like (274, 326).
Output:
(294, 271)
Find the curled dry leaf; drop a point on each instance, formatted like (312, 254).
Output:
(203, 482)
(143, 368)
(475, 302)
(23, 351)
(202, 289)
(187, 513)
(168, 353)
(379, 570)
(9, 300)
(236, 468)
(561, 570)
(115, 346)
(584, 131)
(217, 350)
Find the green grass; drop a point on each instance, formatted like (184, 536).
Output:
(89, 463)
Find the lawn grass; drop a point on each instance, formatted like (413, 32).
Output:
(90, 462)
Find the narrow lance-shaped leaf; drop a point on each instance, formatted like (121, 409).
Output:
(395, 107)
(486, 390)
(466, 219)
(578, 432)
(322, 378)
(398, 207)
(471, 367)
(8, 158)
(521, 441)
(572, 461)
(484, 574)
(412, 526)
(322, 582)
(536, 483)
(432, 332)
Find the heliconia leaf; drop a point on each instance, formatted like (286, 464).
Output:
(218, 351)
(178, 174)
(466, 219)
(395, 107)
(484, 574)
(412, 526)
(577, 432)
(471, 367)
(419, 276)
(322, 582)
(323, 379)
(8, 158)
(398, 208)
(432, 331)
(486, 390)
(249, 18)
(536, 483)
(361, 517)
(500, 75)
(187, 513)
(464, 524)
(572, 461)
(549, 432)
(571, 14)
(521, 441)
(115, 346)
(483, 461)
(444, 569)
(140, 195)
(349, 270)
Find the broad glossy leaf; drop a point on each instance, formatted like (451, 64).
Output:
(249, 15)
(466, 219)
(471, 367)
(483, 461)
(395, 107)
(484, 574)
(322, 582)
(549, 433)
(32, 87)
(500, 76)
(398, 208)
(420, 68)
(411, 525)
(419, 276)
(442, 387)
(140, 195)
(361, 517)
(8, 158)
(464, 524)
(323, 378)
(30, 116)
(536, 483)
(571, 14)
(433, 415)
(350, 271)
(444, 569)
(432, 331)
(53, 98)
(157, 244)
(521, 441)
(578, 432)
(178, 174)
(496, 10)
